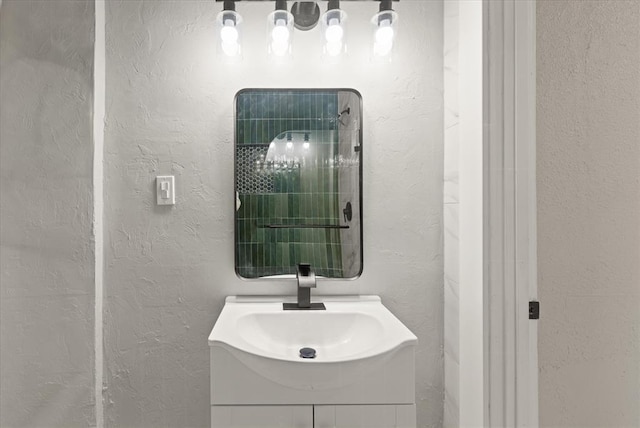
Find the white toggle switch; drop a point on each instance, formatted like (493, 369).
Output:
(166, 190)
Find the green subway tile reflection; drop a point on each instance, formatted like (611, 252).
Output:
(286, 193)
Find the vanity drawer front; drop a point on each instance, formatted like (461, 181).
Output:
(366, 416)
(261, 416)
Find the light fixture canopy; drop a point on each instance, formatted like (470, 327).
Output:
(280, 31)
(334, 27)
(229, 25)
(306, 15)
(385, 29)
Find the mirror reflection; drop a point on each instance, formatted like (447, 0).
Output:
(298, 169)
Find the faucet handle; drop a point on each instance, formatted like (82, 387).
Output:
(306, 281)
(306, 277)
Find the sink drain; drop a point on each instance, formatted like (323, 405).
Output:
(307, 353)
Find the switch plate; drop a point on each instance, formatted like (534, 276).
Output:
(166, 190)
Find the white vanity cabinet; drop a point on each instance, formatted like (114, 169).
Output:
(323, 416)
(363, 375)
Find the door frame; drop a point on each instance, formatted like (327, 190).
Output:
(509, 173)
(498, 373)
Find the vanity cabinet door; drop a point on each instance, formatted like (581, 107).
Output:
(261, 416)
(366, 416)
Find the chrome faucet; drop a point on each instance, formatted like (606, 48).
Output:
(306, 281)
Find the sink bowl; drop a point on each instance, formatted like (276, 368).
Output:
(335, 335)
(360, 346)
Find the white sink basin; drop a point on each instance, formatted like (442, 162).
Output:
(354, 328)
(335, 336)
(356, 339)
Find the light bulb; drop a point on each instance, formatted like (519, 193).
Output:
(229, 33)
(289, 145)
(305, 145)
(280, 32)
(280, 38)
(383, 38)
(334, 31)
(229, 24)
(229, 36)
(384, 33)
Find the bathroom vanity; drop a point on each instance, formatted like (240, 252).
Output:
(340, 361)
(362, 373)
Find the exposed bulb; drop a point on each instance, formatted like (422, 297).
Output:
(334, 31)
(280, 32)
(229, 33)
(305, 145)
(280, 38)
(383, 38)
(230, 37)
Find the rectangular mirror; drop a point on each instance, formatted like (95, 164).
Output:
(298, 182)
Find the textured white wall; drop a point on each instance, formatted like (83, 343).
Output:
(46, 250)
(589, 212)
(169, 111)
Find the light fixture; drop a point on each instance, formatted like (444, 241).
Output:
(384, 30)
(333, 29)
(304, 16)
(280, 28)
(229, 28)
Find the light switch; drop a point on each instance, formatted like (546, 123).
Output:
(166, 190)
